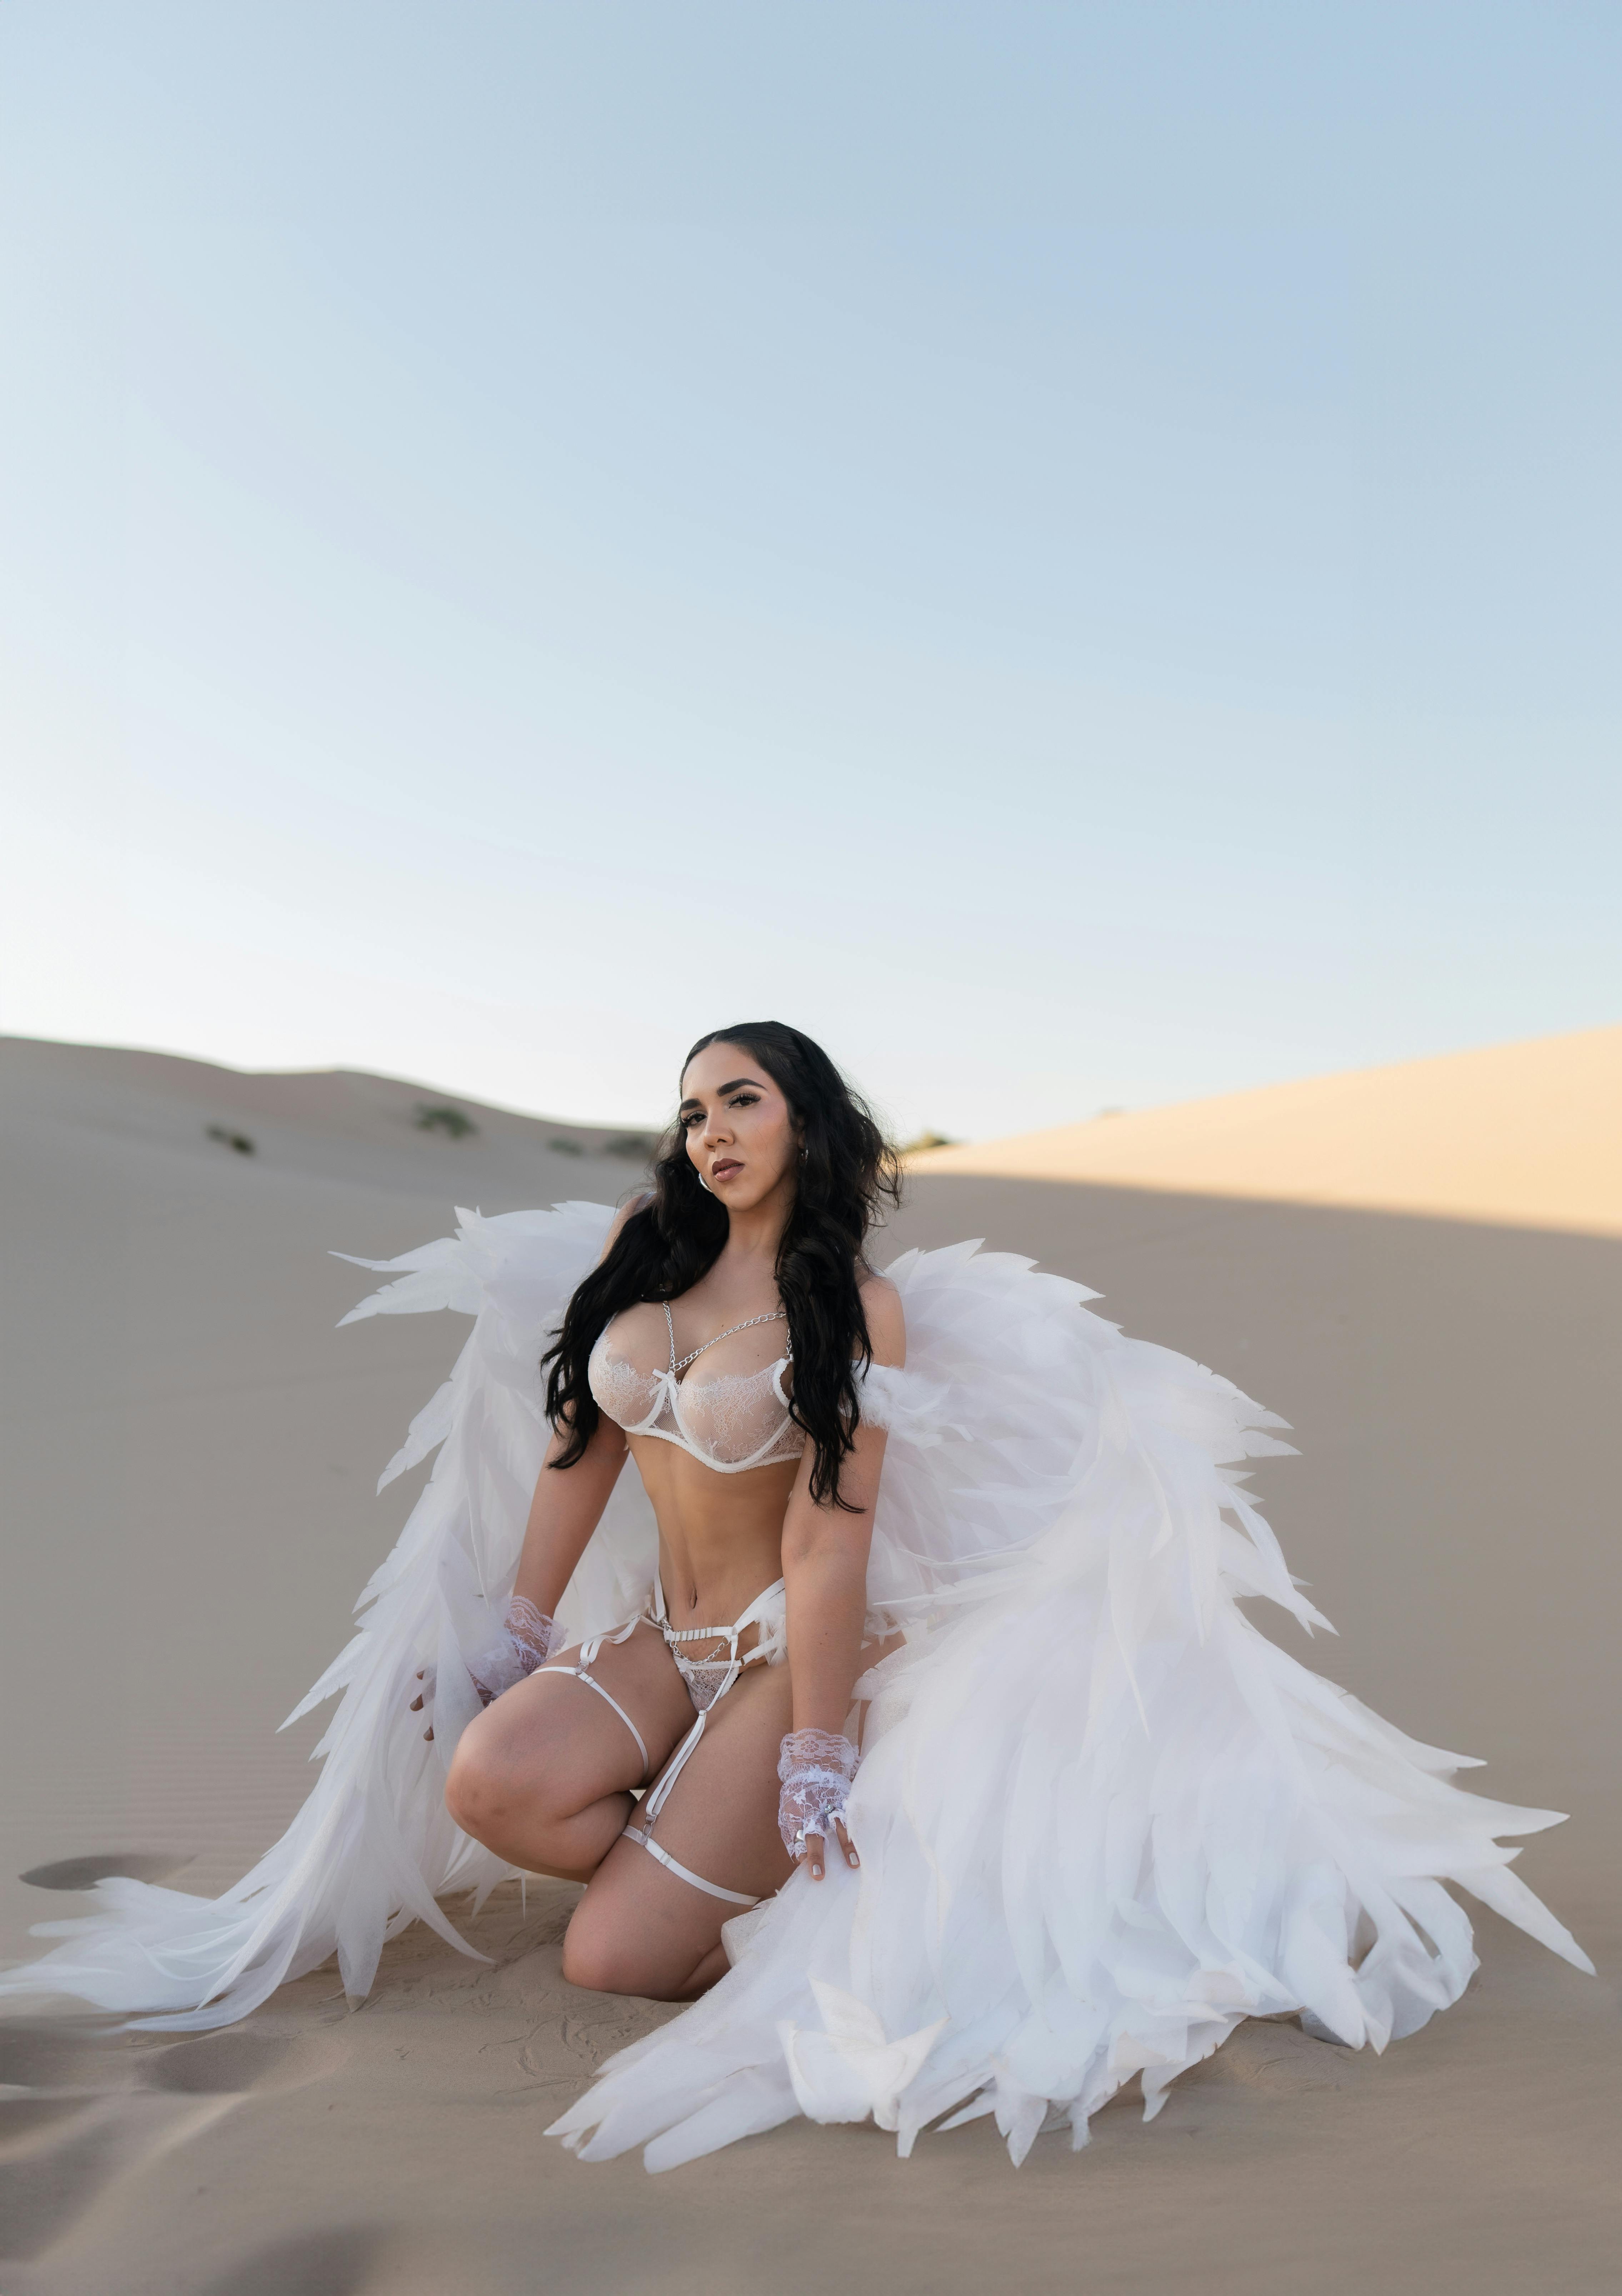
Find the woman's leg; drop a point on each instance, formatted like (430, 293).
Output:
(639, 1928)
(542, 1776)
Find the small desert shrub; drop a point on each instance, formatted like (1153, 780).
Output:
(240, 1141)
(450, 1121)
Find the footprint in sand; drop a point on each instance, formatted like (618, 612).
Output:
(75, 2053)
(100, 2112)
(44, 2189)
(238, 2064)
(85, 1873)
(341, 2263)
(24, 2119)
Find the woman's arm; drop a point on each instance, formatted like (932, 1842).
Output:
(824, 1561)
(569, 1502)
(563, 1514)
(566, 1509)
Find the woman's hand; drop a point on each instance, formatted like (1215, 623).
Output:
(815, 1768)
(814, 1849)
(526, 1636)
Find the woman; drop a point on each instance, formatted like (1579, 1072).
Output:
(723, 1342)
(929, 1584)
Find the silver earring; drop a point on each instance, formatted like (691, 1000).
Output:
(704, 1184)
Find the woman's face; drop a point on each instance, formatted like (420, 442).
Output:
(741, 1137)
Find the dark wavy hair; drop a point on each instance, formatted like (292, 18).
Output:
(674, 1236)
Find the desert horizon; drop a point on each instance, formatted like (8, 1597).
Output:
(1522, 1134)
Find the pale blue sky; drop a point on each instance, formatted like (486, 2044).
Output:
(1069, 550)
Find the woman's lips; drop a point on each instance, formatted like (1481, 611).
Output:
(725, 1168)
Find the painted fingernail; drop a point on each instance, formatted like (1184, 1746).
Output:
(427, 1734)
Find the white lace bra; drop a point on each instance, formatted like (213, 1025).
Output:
(728, 1422)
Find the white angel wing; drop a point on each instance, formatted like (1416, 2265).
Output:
(1017, 1409)
(514, 1273)
(1102, 1819)
(372, 1849)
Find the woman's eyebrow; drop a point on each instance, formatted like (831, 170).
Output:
(721, 1091)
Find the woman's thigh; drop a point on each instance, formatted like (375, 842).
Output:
(641, 1929)
(551, 1740)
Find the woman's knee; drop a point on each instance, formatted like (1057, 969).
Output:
(475, 1794)
(605, 1964)
(486, 1791)
(505, 1793)
(604, 1956)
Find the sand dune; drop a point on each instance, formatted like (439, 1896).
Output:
(337, 1124)
(1522, 1136)
(192, 1448)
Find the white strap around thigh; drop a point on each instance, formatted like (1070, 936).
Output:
(588, 1652)
(684, 1873)
(592, 1683)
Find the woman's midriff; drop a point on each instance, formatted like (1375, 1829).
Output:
(720, 1536)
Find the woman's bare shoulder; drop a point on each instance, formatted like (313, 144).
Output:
(886, 1322)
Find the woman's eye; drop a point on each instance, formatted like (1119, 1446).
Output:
(744, 1100)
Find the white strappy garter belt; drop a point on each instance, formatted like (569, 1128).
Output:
(708, 1681)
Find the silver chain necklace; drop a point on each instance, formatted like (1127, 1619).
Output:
(777, 1315)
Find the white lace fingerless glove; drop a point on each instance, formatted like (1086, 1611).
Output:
(815, 1767)
(523, 1644)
